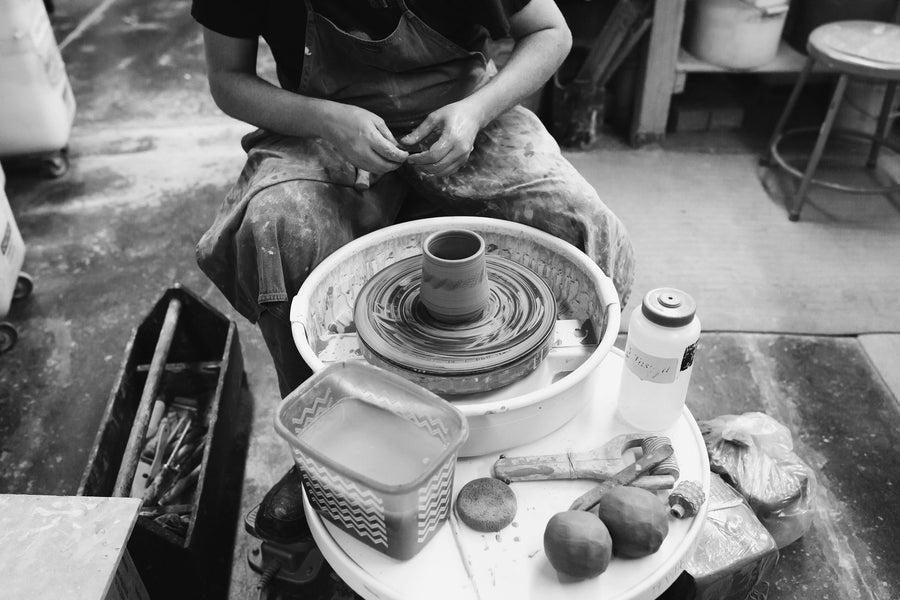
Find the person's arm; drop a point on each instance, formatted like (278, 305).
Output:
(542, 41)
(361, 136)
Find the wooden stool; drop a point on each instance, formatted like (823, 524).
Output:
(860, 49)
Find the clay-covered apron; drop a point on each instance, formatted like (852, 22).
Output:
(401, 78)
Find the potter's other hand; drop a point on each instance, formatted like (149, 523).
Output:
(458, 127)
(364, 139)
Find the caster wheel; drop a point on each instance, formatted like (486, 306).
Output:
(57, 165)
(24, 286)
(9, 335)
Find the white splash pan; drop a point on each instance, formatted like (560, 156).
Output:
(525, 411)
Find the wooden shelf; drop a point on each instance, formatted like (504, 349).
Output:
(787, 60)
(666, 67)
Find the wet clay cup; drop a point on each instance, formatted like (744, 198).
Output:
(454, 285)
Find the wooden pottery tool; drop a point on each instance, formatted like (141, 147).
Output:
(159, 409)
(507, 341)
(147, 471)
(599, 464)
(131, 455)
(169, 471)
(626, 476)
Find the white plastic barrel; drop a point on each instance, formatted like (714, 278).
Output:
(861, 106)
(735, 34)
(12, 250)
(36, 102)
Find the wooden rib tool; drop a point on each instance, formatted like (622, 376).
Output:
(599, 463)
(629, 474)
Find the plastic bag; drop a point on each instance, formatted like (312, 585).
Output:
(754, 453)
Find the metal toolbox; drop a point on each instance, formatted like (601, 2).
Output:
(203, 361)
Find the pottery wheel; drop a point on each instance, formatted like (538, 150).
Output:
(508, 341)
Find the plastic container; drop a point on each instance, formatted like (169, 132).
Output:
(12, 251)
(659, 359)
(377, 453)
(861, 106)
(38, 107)
(735, 34)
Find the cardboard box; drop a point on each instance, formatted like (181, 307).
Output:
(735, 553)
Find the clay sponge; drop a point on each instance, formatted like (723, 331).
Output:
(486, 504)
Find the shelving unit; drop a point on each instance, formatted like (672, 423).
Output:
(666, 66)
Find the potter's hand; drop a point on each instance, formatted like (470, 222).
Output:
(364, 139)
(458, 126)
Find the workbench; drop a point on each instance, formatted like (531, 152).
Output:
(460, 563)
(71, 547)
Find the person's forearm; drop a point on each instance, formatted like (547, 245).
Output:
(253, 100)
(534, 59)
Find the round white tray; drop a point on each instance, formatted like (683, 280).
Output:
(323, 328)
(460, 563)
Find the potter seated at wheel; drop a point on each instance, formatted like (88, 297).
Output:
(348, 133)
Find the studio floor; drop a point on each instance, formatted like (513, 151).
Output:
(152, 157)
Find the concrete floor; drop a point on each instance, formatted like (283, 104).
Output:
(152, 158)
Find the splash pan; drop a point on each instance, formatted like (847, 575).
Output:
(588, 317)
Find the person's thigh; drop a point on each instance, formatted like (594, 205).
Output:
(293, 205)
(516, 172)
(287, 230)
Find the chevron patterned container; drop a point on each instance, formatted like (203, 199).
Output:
(377, 453)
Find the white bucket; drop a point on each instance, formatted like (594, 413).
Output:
(12, 250)
(735, 34)
(861, 106)
(37, 107)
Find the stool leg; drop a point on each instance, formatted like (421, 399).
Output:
(881, 131)
(788, 109)
(824, 130)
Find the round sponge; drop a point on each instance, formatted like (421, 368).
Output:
(486, 504)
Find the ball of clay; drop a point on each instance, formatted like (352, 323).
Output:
(577, 543)
(636, 518)
(486, 504)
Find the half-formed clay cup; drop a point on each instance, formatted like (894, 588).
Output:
(454, 276)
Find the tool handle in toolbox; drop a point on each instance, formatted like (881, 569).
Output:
(135, 444)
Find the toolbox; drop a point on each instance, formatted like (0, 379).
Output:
(201, 361)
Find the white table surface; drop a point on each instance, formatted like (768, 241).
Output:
(62, 546)
(460, 563)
